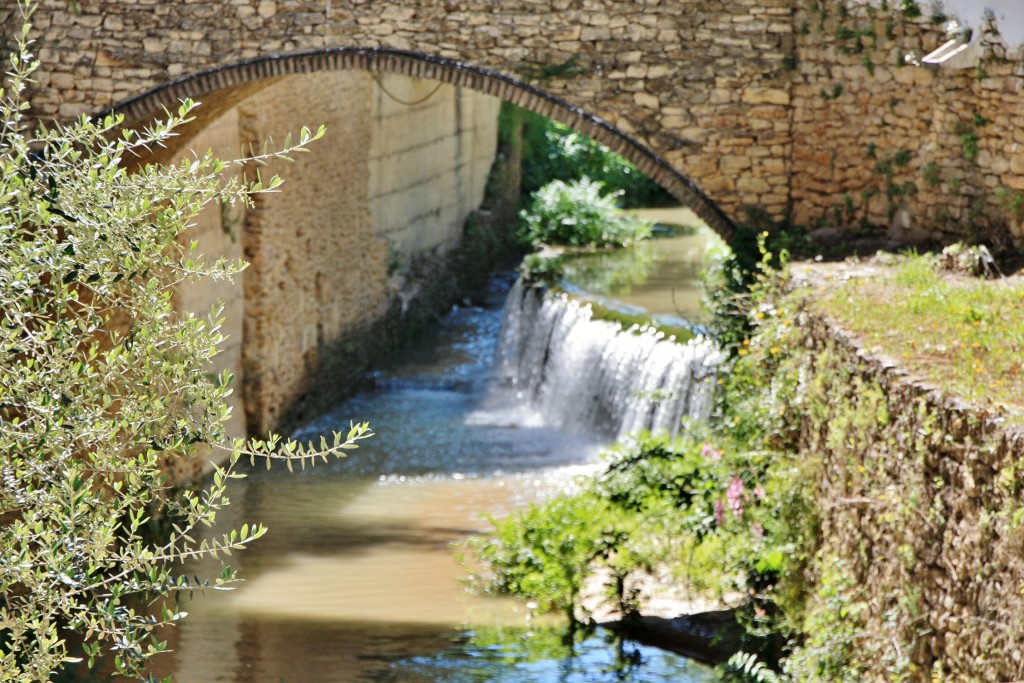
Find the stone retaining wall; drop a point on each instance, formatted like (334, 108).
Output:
(910, 153)
(388, 186)
(917, 501)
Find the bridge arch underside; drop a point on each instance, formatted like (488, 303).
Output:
(361, 234)
(222, 88)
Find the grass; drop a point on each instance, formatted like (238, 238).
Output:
(965, 334)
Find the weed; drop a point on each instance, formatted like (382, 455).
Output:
(910, 8)
(931, 175)
(1012, 202)
(966, 334)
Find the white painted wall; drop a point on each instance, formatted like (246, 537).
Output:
(431, 150)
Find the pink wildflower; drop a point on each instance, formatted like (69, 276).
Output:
(757, 529)
(759, 492)
(708, 451)
(734, 494)
(719, 512)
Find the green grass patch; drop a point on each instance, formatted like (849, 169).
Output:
(965, 333)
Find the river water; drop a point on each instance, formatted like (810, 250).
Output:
(357, 579)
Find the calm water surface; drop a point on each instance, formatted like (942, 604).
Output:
(357, 579)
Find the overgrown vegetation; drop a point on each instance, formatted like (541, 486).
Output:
(553, 151)
(705, 510)
(104, 388)
(804, 438)
(731, 281)
(724, 508)
(577, 214)
(966, 333)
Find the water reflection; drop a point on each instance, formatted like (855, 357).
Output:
(660, 276)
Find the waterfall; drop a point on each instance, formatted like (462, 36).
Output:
(587, 374)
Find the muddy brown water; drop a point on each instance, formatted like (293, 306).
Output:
(358, 579)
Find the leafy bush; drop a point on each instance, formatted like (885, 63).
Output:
(728, 507)
(576, 214)
(697, 508)
(104, 387)
(730, 282)
(553, 151)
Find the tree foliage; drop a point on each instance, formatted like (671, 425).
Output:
(553, 151)
(103, 384)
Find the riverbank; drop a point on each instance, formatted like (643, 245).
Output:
(862, 507)
(878, 374)
(948, 328)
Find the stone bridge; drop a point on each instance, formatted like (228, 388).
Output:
(684, 89)
(728, 103)
(813, 112)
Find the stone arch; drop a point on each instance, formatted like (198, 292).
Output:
(241, 79)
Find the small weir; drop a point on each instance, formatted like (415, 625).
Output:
(590, 375)
(357, 578)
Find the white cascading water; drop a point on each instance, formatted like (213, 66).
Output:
(585, 374)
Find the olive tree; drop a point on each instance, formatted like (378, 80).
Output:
(103, 383)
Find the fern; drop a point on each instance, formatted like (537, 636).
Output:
(744, 667)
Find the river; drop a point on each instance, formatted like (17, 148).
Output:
(357, 579)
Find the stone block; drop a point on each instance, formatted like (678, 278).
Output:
(1014, 182)
(734, 164)
(62, 80)
(655, 71)
(645, 100)
(568, 33)
(266, 8)
(592, 34)
(752, 184)
(765, 96)
(154, 45)
(395, 13)
(717, 185)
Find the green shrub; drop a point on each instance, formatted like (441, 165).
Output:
(576, 214)
(104, 387)
(758, 246)
(553, 151)
(706, 511)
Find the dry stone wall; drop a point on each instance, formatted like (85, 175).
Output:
(697, 82)
(806, 109)
(917, 496)
(908, 153)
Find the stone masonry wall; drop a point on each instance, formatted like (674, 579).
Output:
(917, 494)
(909, 153)
(218, 231)
(318, 268)
(384, 187)
(696, 81)
(806, 109)
(390, 183)
(423, 183)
